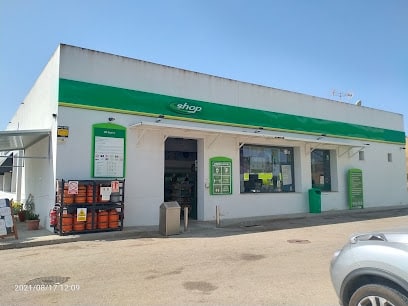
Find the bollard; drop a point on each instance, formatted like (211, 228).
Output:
(185, 218)
(217, 216)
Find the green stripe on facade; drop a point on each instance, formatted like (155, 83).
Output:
(113, 99)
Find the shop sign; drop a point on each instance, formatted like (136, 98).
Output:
(221, 175)
(185, 108)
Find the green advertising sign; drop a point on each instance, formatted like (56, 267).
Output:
(355, 188)
(221, 175)
(108, 150)
(112, 99)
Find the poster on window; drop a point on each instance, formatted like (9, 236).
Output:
(286, 175)
(109, 147)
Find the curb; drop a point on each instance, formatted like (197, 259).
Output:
(201, 229)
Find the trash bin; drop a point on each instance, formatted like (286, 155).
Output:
(315, 200)
(169, 223)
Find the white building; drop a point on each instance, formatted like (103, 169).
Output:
(273, 145)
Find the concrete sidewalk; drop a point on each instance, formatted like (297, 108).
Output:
(29, 238)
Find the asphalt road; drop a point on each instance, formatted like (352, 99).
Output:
(267, 264)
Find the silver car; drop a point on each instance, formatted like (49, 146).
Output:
(372, 269)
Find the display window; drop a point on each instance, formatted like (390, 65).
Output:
(321, 177)
(266, 169)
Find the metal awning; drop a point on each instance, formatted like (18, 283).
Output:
(21, 139)
(250, 133)
(6, 162)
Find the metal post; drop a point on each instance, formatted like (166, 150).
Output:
(185, 218)
(217, 216)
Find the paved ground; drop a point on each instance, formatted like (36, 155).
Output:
(206, 229)
(277, 261)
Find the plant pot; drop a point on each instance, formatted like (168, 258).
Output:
(33, 224)
(22, 216)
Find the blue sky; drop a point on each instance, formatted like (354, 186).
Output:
(311, 47)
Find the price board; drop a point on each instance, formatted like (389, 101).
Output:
(221, 175)
(109, 150)
(355, 188)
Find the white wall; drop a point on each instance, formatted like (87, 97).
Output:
(145, 170)
(107, 69)
(145, 145)
(144, 178)
(39, 180)
(144, 163)
(37, 113)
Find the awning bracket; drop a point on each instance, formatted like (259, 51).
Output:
(138, 139)
(213, 141)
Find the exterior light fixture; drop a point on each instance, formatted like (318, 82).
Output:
(159, 118)
(321, 136)
(111, 119)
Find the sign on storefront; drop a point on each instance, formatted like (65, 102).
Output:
(355, 188)
(109, 143)
(221, 175)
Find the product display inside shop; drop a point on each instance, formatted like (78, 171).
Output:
(88, 206)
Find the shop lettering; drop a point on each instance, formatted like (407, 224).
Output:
(185, 108)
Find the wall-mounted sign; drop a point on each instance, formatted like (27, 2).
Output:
(81, 214)
(63, 132)
(109, 150)
(355, 188)
(185, 108)
(73, 187)
(221, 175)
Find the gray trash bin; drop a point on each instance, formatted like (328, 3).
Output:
(169, 218)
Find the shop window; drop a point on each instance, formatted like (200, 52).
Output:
(321, 176)
(266, 169)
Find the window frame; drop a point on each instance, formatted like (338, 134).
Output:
(266, 174)
(326, 184)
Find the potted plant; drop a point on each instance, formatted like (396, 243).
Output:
(33, 220)
(18, 209)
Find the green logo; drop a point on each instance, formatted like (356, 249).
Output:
(185, 108)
